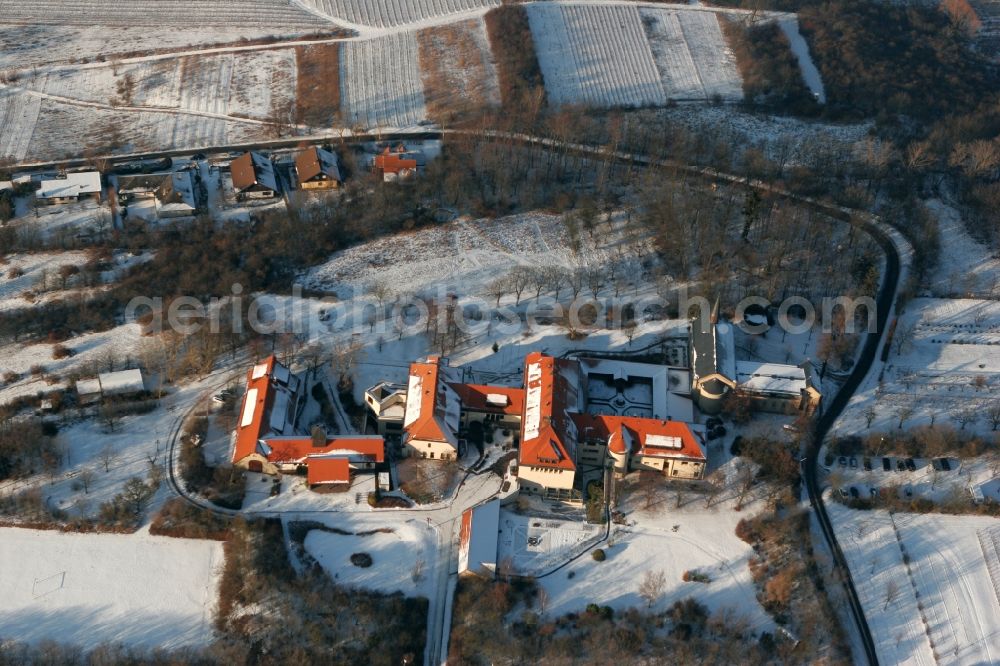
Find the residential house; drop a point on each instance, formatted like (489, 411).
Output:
(387, 401)
(174, 193)
(397, 164)
(499, 406)
(254, 176)
(69, 187)
(632, 443)
(318, 169)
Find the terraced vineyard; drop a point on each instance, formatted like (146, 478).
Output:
(181, 13)
(380, 84)
(389, 13)
(626, 56)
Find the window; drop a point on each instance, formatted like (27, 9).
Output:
(432, 453)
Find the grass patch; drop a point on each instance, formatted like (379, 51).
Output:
(456, 73)
(521, 82)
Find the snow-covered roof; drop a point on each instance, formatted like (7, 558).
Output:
(725, 349)
(432, 406)
(85, 387)
(771, 377)
(548, 434)
(70, 185)
(479, 539)
(266, 407)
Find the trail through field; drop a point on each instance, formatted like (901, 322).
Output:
(380, 83)
(18, 116)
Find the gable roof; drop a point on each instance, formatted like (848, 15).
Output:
(548, 434)
(177, 191)
(253, 168)
(642, 436)
(393, 162)
(270, 389)
(315, 161)
(432, 405)
(328, 471)
(491, 399)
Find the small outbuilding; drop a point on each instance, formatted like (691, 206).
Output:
(121, 384)
(69, 187)
(478, 540)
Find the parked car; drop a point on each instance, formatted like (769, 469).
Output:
(900, 465)
(977, 494)
(911, 464)
(945, 464)
(854, 492)
(908, 491)
(790, 428)
(867, 464)
(843, 493)
(842, 461)
(873, 492)
(854, 462)
(886, 465)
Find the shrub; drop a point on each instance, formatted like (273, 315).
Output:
(10, 377)
(695, 576)
(61, 352)
(599, 555)
(37, 370)
(363, 560)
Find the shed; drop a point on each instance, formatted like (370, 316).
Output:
(479, 537)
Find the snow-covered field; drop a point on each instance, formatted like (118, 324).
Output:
(86, 589)
(941, 607)
(673, 541)
(35, 269)
(158, 12)
(464, 252)
(621, 55)
(390, 13)
(18, 116)
(966, 266)
(951, 364)
(394, 554)
(380, 84)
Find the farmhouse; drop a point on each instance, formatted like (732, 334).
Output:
(397, 164)
(478, 540)
(769, 387)
(69, 187)
(254, 176)
(120, 384)
(433, 411)
(318, 169)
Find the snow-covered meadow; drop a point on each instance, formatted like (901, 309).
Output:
(928, 583)
(180, 13)
(18, 116)
(86, 589)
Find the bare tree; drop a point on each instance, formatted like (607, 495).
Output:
(994, 414)
(343, 355)
(86, 478)
(596, 278)
(902, 337)
(381, 290)
(891, 592)
(651, 587)
(499, 288)
(745, 479)
(870, 415)
(107, 456)
(520, 278)
(965, 417)
(903, 413)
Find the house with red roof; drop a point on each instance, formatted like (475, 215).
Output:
(432, 416)
(396, 164)
(268, 410)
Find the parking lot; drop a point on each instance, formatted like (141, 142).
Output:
(864, 477)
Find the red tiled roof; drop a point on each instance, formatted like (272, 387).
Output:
(429, 423)
(389, 162)
(641, 429)
(260, 389)
(328, 470)
(474, 397)
(545, 411)
(300, 449)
